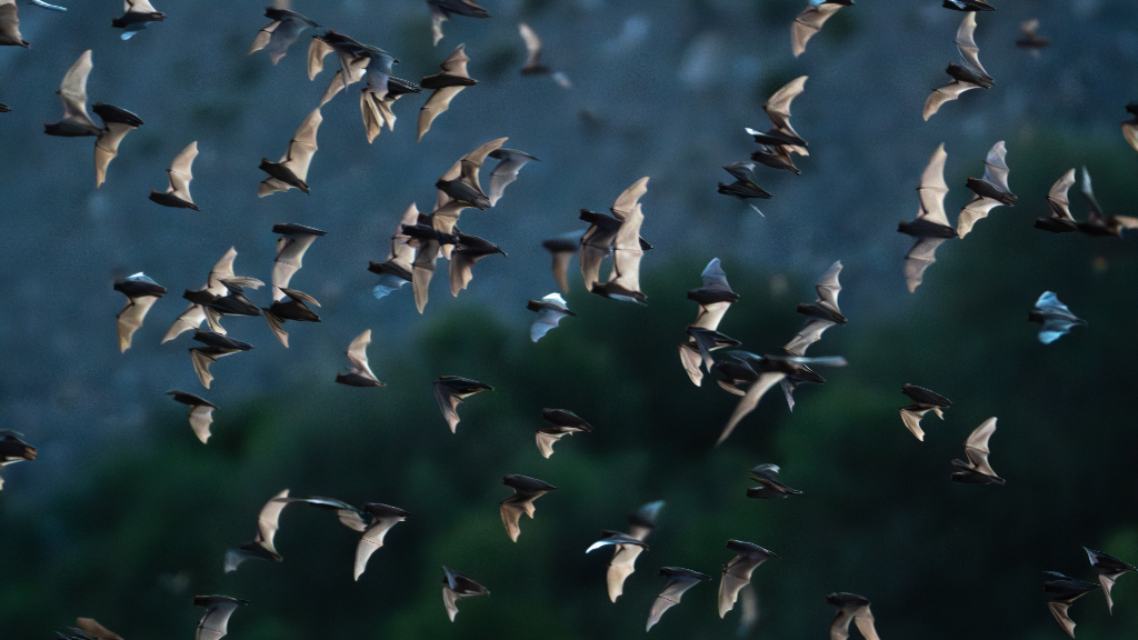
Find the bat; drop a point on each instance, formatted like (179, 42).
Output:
(262, 546)
(180, 174)
(291, 171)
(1054, 317)
(975, 468)
(200, 415)
(851, 608)
(679, 580)
(924, 401)
(445, 85)
(284, 28)
(931, 227)
(550, 309)
(456, 587)
(214, 623)
(1062, 591)
(989, 192)
(395, 271)
(965, 77)
(527, 490)
(737, 572)
(359, 371)
(533, 65)
(808, 23)
(451, 391)
(141, 292)
(293, 243)
(559, 423)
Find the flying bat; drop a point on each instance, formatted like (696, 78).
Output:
(762, 372)
(989, 192)
(924, 401)
(359, 371)
(533, 65)
(679, 580)
(768, 485)
(1060, 219)
(428, 243)
(293, 243)
(975, 469)
(1029, 37)
(931, 227)
(505, 173)
(451, 391)
(395, 271)
(446, 85)
(1054, 317)
(782, 135)
(10, 25)
(141, 292)
(441, 10)
(851, 608)
(467, 252)
(214, 623)
(291, 172)
(714, 297)
(527, 490)
(745, 187)
(550, 309)
(180, 174)
(378, 108)
(810, 22)
(200, 415)
(627, 250)
(456, 587)
(14, 449)
(76, 122)
(261, 547)
(373, 521)
(215, 287)
(965, 77)
(214, 346)
(1062, 591)
(737, 572)
(559, 423)
(627, 547)
(296, 306)
(459, 189)
(137, 15)
(1098, 222)
(284, 28)
(1109, 570)
(562, 249)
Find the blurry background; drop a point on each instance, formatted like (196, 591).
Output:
(126, 516)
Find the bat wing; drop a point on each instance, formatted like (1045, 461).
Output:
(268, 520)
(933, 188)
(448, 405)
(628, 202)
(317, 51)
(131, 318)
(912, 420)
(215, 623)
(840, 627)
(976, 447)
(830, 286)
(435, 106)
(996, 166)
(503, 175)
(357, 354)
(1059, 610)
(622, 565)
(289, 260)
(201, 417)
(691, 360)
(1058, 199)
(107, 148)
(546, 321)
(863, 619)
(1130, 134)
(808, 23)
(920, 257)
(947, 93)
(303, 145)
(810, 333)
(976, 210)
(750, 400)
(671, 595)
(73, 90)
(511, 513)
(778, 105)
(735, 577)
(371, 541)
(181, 172)
(561, 269)
(533, 45)
(966, 42)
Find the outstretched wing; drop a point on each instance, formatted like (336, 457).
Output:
(808, 23)
(920, 257)
(966, 43)
(947, 93)
(750, 400)
(303, 145)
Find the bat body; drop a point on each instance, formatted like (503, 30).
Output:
(1062, 591)
(923, 401)
(768, 485)
(141, 292)
(965, 77)
(456, 587)
(14, 449)
(559, 423)
(137, 15)
(451, 391)
(1054, 317)
(527, 490)
(200, 414)
(975, 468)
(467, 252)
(359, 372)
(744, 187)
(296, 306)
